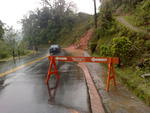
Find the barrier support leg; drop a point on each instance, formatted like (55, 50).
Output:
(111, 75)
(114, 75)
(52, 70)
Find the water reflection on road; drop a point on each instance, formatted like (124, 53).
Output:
(26, 92)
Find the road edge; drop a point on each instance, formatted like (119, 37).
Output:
(95, 99)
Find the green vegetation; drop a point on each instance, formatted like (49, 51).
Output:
(141, 15)
(77, 31)
(56, 22)
(139, 86)
(121, 47)
(10, 45)
(1, 30)
(112, 38)
(3, 46)
(4, 50)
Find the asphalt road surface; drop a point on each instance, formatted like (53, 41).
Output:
(24, 90)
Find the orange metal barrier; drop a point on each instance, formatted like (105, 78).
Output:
(110, 61)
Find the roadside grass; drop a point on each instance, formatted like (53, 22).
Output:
(133, 21)
(138, 85)
(128, 75)
(27, 53)
(139, 16)
(44, 46)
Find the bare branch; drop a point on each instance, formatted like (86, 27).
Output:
(47, 2)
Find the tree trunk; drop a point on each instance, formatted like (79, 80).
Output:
(13, 54)
(95, 14)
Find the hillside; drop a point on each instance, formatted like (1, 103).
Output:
(54, 25)
(123, 31)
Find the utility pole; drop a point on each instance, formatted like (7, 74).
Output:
(95, 14)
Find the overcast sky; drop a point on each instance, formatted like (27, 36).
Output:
(11, 11)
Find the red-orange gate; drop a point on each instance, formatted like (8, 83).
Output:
(107, 60)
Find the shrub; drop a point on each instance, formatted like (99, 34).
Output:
(147, 44)
(4, 50)
(147, 64)
(105, 50)
(3, 54)
(142, 12)
(121, 48)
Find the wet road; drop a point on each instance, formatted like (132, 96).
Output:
(4, 66)
(24, 91)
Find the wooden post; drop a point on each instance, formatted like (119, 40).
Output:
(111, 75)
(52, 69)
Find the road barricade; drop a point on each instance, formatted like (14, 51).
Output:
(107, 60)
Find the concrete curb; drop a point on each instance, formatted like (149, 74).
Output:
(96, 101)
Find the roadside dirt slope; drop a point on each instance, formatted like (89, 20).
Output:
(83, 42)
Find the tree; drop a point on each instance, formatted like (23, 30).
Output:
(49, 22)
(121, 47)
(95, 14)
(10, 39)
(1, 30)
